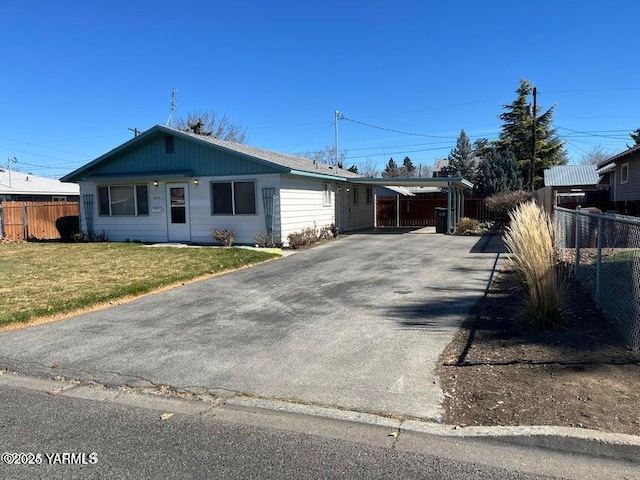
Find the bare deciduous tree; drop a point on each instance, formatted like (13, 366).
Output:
(368, 169)
(594, 156)
(214, 125)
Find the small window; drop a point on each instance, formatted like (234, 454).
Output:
(233, 198)
(58, 199)
(326, 194)
(168, 144)
(369, 195)
(624, 173)
(356, 195)
(123, 200)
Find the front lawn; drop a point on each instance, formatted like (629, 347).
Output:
(42, 279)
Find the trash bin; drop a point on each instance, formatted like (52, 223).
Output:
(441, 219)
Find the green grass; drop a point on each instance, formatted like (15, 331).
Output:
(42, 279)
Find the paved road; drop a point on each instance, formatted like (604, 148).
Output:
(130, 440)
(356, 324)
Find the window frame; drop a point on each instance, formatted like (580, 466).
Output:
(356, 195)
(326, 194)
(233, 183)
(370, 196)
(136, 197)
(624, 178)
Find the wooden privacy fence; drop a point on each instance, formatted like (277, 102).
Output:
(24, 220)
(420, 211)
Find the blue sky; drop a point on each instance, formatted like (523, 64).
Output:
(77, 75)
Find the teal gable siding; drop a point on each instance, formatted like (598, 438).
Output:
(188, 155)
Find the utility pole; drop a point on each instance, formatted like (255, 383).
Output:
(532, 165)
(9, 160)
(336, 131)
(135, 131)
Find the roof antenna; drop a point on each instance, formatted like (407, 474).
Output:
(174, 101)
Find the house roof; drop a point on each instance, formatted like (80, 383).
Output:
(286, 163)
(20, 183)
(569, 175)
(439, 164)
(616, 157)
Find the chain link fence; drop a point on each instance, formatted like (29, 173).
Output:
(604, 250)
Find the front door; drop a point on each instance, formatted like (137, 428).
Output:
(178, 228)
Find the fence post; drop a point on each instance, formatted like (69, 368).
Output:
(577, 250)
(598, 258)
(25, 223)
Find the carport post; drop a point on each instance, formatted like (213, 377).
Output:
(397, 210)
(459, 209)
(449, 199)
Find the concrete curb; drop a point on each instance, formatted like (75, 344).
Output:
(593, 443)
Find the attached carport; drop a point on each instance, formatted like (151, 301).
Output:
(455, 191)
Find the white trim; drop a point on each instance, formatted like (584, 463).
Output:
(622, 175)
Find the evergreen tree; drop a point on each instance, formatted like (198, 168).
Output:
(517, 135)
(408, 169)
(353, 168)
(391, 170)
(500, 171)
(462, 161)
(635, 136)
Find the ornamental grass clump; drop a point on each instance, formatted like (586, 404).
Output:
(530, 241)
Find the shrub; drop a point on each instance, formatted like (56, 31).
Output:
(225, 237)
(264, 239)
(303, 238)
(530, 240)
(68, 227)
(467, 226)
(90, 237)
(503, 203)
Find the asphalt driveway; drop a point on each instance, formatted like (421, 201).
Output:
(357, 323)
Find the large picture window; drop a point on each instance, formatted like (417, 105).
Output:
(123, 200)
(233, 198)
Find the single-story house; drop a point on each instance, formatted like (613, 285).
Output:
(166, 185)
(25, 187)
(571, 185)
(621, 173)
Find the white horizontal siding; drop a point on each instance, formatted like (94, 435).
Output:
(145, 228)
(244, 226)
(153, 228)
(302, 205)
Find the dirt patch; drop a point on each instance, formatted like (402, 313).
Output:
(497, 371)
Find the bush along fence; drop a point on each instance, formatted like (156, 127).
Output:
(34, 220)
(604, 250)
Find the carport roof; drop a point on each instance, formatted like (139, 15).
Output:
(459, 182)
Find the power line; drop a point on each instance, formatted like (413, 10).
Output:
(395, 131)
(312, 136)
(588, 133)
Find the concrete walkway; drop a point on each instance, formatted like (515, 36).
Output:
(356, 324)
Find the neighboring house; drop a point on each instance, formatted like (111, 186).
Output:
(25, 187)
(621, 173)
(166, 185)
(439, 167)
(570, 186)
